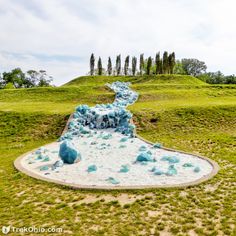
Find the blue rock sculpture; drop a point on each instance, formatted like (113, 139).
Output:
(104, 116)
(68, 153)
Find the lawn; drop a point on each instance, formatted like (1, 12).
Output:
(179, 111)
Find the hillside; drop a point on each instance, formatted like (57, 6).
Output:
(181, 112)
(157, 79)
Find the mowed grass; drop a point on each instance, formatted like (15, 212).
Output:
(180, 112)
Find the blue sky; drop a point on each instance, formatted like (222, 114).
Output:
(60, 35)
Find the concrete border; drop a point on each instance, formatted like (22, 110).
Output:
(215, 169)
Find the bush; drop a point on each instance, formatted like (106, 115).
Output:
(217, 78)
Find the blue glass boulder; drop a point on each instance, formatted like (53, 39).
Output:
(68, 153)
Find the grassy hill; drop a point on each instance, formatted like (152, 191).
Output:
(159, 80)
(181, 112)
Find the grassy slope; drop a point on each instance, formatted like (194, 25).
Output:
(180, 112)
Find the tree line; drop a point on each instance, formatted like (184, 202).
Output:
(150, 66)
(16, 78)
(197, 68)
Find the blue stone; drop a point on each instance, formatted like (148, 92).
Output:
(171, 171)
(124, 139)
(158, 172)
(188, 165)
(68, 153)
(43, 168)
(142, 148)
(112, 180)
(197, 169)
(58, 163)
(157, 145)
(170, 159)
(92, 168)
(144, 157)
(124, 169)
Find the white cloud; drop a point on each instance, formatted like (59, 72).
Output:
(75, 28)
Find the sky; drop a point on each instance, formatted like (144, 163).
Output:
(60, 35)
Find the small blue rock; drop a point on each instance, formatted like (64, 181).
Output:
(187, 164)
(197, 169)
(112, 180)
(142, 148)
(43, 168)
(124, 139)
(170, 159)
(171, 171)
(58, 163)
(124, 169)
(92, 168)
(158, 172)
(157, 145)
(144, 157)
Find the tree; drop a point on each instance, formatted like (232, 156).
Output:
(165, 66)
(31, 78)
(2, 82)
(44, 79)
(109, 66)
(92, 64)
(158, 63)
(230, 79)
(118, 65)
(217, 78)
(193, 66)
(134, 65)
(149, 65)
(16, 77)
(126, 67)
(99, 66)
(171, 60)
(178, 68)
(37, 79)
(141, 64)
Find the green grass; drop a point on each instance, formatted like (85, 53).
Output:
(180, 112)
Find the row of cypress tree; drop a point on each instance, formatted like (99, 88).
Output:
(159, 65)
